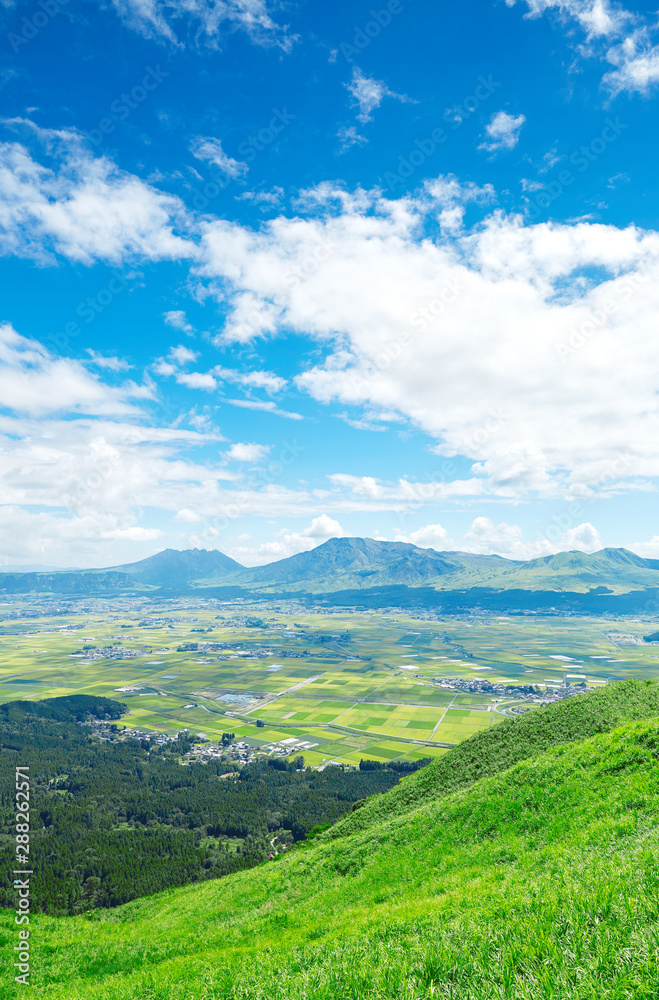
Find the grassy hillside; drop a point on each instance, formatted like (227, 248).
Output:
(500, 747)
(539, 882)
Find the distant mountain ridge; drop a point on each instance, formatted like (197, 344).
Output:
(346, 565)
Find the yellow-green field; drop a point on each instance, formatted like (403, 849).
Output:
(354, 684)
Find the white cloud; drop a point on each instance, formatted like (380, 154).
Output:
(197, 380)
(263, 198)
(289, 543)
(83, 207)
(432, 536)
(177, 319)
(324, 527)
(635, 56)
(349, 136)
(254, 379)
(266, 406)
(113, 364)
(584, 537)
(488, 538)
(206, 18)
(33, 381)
(366, 486)
(182, 355)
(210, 150)
(368, 94)
(247, 452)
(64, 538)
(502, 131)
(187, 516)
(490, 339)
(597, 17)
(636, 60)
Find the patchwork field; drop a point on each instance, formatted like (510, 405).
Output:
(355, 685)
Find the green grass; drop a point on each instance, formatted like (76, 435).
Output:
(540, 882)
(495, 749)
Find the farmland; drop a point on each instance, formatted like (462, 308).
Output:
(349, 685)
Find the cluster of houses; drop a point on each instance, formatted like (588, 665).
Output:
(478, 685)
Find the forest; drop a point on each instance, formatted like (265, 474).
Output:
(111, 822)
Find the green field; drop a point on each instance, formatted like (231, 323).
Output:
(351, 683)
(522, 868)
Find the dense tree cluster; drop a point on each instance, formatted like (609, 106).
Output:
(114, 821)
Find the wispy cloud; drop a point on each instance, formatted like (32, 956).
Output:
(210, 150)
(369, 93)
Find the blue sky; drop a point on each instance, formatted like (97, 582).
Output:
(276, 272)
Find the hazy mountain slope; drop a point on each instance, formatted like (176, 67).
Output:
(94, 582)
(357, 564)
(540, 882)
(362, 563)
(579, 571)
(173, 567)
(342, 563)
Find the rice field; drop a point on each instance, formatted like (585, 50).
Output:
(356, 685)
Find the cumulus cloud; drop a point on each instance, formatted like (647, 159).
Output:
(182, 355)
(197, 380)
(177, 319)
(488, 538)
(633, 53)
(490, 340)
(636, 61)
(82, 207)
(35, 382)
(597, 17)
(431, 536)
(64, 538)
(502, 131)
(247, 452)
(288, 543)
(187, 516)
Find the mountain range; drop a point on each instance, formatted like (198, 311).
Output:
(354, 570)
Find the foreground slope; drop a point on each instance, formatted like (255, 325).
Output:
(538, 882)
(500, 747)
